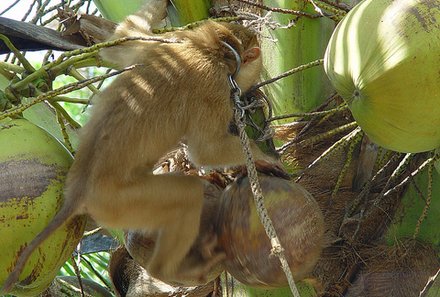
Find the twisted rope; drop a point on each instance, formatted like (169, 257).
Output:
(277, 249)
(239, 115)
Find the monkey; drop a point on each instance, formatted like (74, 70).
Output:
(176, 92)
(140, 245)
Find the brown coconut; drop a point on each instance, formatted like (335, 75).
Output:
(298, 222)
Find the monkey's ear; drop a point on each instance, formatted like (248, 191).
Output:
(251, 54)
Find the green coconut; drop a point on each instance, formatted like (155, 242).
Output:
(383, 59)
(33, 167)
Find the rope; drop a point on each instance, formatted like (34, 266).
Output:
(239, 115)
(277, 249)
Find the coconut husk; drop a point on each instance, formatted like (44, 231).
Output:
(401, 270)
(346, 238)
(90, 28)
(332, 270)
(334, 210)
(353, 218)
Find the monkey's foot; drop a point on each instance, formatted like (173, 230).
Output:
(210, 259)
(200, 273)
(209, 253)
(208, 246)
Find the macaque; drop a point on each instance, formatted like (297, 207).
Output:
(141, 245)
(176, 92)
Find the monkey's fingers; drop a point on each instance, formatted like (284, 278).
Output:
(201, 271)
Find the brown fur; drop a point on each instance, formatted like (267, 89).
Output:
(178, 91)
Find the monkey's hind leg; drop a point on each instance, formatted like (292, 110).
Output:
(171, 245)
(169, 204)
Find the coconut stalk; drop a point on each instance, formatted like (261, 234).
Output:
(181, 12)
(116, 10)
(188, 11)
(289, 46)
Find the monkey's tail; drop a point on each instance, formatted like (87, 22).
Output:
(66, 212)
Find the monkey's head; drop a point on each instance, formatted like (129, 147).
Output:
(245, 42)
(251, 67)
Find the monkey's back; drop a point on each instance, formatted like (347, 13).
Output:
(144, 113)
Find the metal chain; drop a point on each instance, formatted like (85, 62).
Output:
(277, 249)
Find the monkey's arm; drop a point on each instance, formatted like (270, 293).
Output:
(224, 150)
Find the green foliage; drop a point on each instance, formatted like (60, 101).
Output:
(91, 266)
